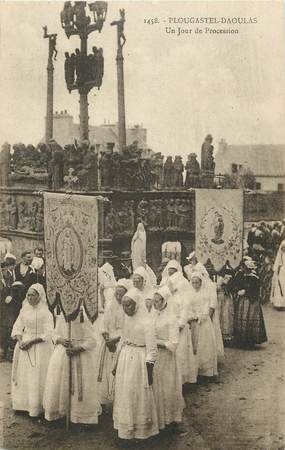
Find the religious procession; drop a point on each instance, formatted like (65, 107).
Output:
(154, 337)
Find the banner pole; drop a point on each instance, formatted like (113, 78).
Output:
(69, 382)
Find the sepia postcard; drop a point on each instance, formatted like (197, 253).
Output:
(142, 225)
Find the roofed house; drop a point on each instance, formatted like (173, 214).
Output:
(267, 162)
(65, 131)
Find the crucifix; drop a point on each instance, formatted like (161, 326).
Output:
(121, 40)
(52, 53)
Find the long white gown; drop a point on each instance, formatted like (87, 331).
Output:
(213, 295)
(113, 324)
(30, 367)
(178, 304)
(199, 307)
(134, 412)
(85, 406)
(167, 384)
(278, 281)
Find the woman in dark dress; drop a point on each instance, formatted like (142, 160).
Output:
(249, 324)
(265, 273)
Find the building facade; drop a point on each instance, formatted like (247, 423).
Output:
(65, 131)
(267, 162)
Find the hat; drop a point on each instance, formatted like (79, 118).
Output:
(37, 263)
(18, 284)
(258, 248)
(134, 294)
(250, 264)
(164, 292)
(197, 274)
(10, 256)
(191, 255)
(125, 283)
(141, 272)
(173, 264)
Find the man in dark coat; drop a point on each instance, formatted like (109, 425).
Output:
(11, 298)
(24, 271)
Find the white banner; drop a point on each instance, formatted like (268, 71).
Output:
(219, 226)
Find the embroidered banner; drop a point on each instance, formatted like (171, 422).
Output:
(219, 226)
(71, 242)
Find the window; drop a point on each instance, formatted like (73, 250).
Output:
(258, 186)
(280, 187)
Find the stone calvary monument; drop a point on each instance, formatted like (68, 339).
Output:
(157, 190)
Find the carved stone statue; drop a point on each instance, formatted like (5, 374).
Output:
(158, 219)
(40, 219)
(73, 159)
(171, 221)
(99, 9)
(120, 27)
(69, 70)
(3, 220)
(79, 67)
(56, 165)
(45, 155)
(178, 216)
(100, 68)
(157, 167)
(23, 215)
(93, 61)
(5, 162)
(106, 174)
(151, 218)
(178, 172)
(168, 172)
(33, 216)
(142, 212)
(13, 213)
(116, 169)
(81, 19)
(211, 160)
(52, 43)
(207, 159)
(90, 163)
(164, 213)
(122, 221)
(192, 171)
(130, 223)
(67, 17)
(109, 224)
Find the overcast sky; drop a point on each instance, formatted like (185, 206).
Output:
(179, 87)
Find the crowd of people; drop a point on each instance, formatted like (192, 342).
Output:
(153, 337)
(264, 242)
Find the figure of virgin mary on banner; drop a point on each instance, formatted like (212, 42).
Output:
(219, 226)
(71, 241)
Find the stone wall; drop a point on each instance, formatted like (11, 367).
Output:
(167, 216)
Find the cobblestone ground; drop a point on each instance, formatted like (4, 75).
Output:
(244, 410)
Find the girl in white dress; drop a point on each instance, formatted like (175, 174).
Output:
(32, 329)
(278, 281)
(112, 330)
(85, 406)
(180, 290)
(202, 327)
(167, 385)
(134, 412)
(145, 284)
(214, 311)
